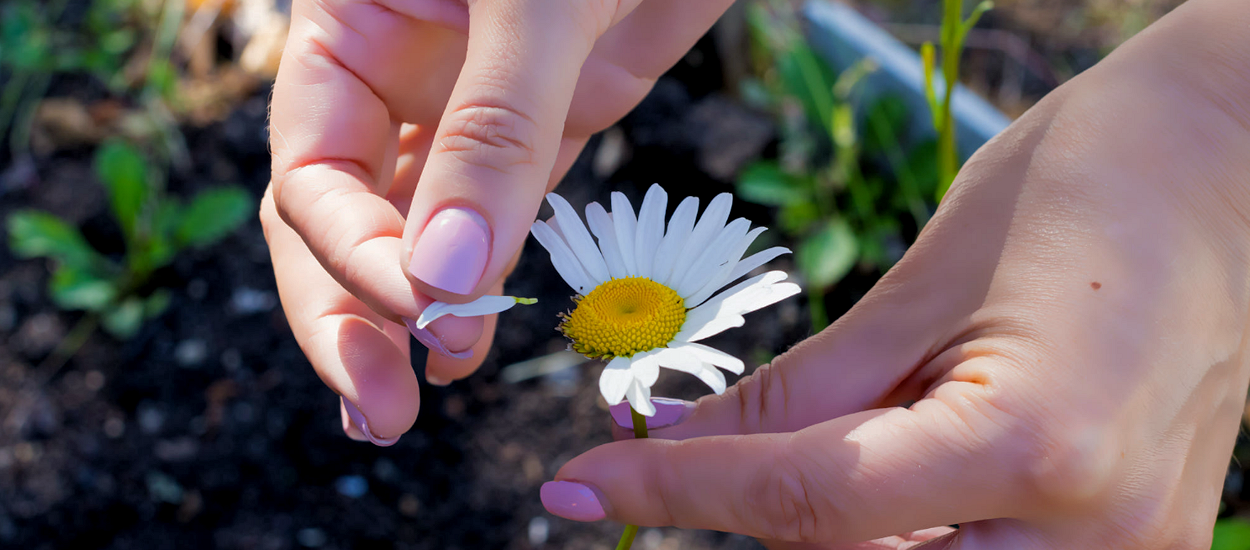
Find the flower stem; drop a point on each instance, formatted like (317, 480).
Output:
(640, 432)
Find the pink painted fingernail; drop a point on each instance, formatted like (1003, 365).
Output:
(668, 412)
(452, 251)
(360, 423)
(571, 500)
(429, 340)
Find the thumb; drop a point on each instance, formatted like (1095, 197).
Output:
(948, 459)
(497, 142)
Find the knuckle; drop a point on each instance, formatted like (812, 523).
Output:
(1068, 465)
(762, 400)
(789, 506)
(494, 136)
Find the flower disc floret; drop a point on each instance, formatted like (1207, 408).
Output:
(624, 317)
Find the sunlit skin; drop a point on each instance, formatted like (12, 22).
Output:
(1069, 330)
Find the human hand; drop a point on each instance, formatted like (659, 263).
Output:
(1059, 362)
(389, 114)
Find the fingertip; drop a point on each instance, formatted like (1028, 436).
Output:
(382, 396)
(442, 369)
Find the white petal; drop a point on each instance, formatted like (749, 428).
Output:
(481, 306)
(650, 229)
(755, 260)
(714, 356)
(679, 228)
(579, 239)
(640, 398)
(687, 361)
(710, 224)
(615, 380)
(566, 264)
(711, 258)
(721, 275)
(601, 225)
(726, 309)
(646, 366)
(626, 225)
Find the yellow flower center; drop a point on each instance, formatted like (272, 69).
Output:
(624, 316)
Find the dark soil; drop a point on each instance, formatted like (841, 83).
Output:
(210, 430)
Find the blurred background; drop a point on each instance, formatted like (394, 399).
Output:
(151, 393)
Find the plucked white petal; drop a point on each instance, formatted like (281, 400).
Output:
(626, 226)
(616, 380)
(650, 229)
(712, 258)
(713, 356)
(720, 275)
(679, 228)
(481, 306)
(755, 260)
(578, 239)
(725, 310)
(601, 225)
(562, 258)
(640, 398)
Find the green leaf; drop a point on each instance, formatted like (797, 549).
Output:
(213, 214)
(795, 218)
(156, 303)
(124, 172)
(39, 234)
(765, 183)
(72, 288)
(971, 21)
(123, 322)
(1231, 534)
(828, 255)
(929, 56)
(806, 77)
(885, 124)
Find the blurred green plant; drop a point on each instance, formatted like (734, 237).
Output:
(953, 34)
(1231, 534)
(839, 215)
(155, 227)
(121, 43)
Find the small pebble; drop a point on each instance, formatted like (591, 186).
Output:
(409, 505)
(385, 470)
(163, 488)
(652, 539)
(8, 317)
(538, 531)
(93, 380)
(197, 289)
(351, 486)
(190, 353)
(150, 418)
(311, 537)
(231, 359)
(246, 301)
(114, 427)
(176, 450)
(244, 413)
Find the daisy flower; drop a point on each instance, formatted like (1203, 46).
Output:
(645, 294)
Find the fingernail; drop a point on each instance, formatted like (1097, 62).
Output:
(668, 412)
(352, 432)
(571, 500)
(359, 422)
(429, 340)
(452, 251)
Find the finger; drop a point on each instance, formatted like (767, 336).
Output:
(906, 541)
(331, 135)
(356, 352)
(858, 477)
(442, 369)
(497, 144)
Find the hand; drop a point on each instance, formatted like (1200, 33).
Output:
(1061, 360)
(412, 144)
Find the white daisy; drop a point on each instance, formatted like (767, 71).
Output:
(644, 295)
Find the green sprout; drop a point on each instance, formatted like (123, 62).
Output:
(954, 33)
(155, 227)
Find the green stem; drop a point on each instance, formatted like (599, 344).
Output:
(640, 432)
